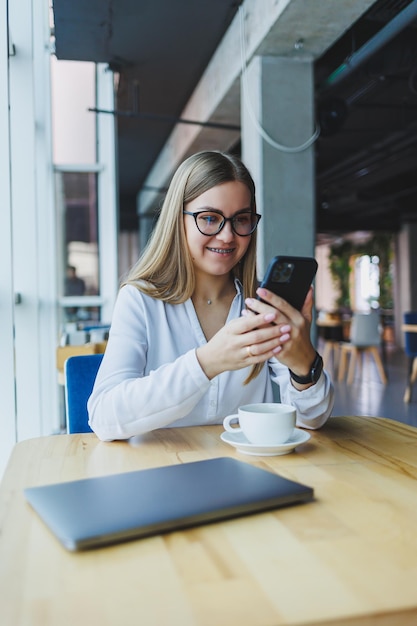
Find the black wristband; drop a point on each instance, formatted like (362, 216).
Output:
(314, 373)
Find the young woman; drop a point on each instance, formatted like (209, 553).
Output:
(185, 346)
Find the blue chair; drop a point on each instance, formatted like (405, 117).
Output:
(410, 337)
(80, 374)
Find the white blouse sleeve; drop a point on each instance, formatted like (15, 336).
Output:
(126, 399)
(314, 404)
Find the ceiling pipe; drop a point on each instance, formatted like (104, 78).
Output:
(384, 36)
(402, 142)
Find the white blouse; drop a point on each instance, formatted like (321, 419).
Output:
(150, 376)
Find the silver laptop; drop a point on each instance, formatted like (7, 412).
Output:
(98, 511)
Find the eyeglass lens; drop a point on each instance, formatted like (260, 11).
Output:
(211, 223)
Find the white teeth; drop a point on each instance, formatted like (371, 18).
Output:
(221, 250)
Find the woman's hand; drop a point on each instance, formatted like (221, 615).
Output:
(296, 350)
(245, 341)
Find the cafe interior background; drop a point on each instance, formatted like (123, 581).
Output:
(98, 107)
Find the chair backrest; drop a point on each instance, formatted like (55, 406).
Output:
(80, 374)
(365, 329)
(410, 339)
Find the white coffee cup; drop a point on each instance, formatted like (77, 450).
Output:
(268, 423)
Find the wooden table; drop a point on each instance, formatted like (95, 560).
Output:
(349, 557)
(332, 333)
(409, 328)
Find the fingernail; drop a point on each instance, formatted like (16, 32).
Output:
(249, 301)
(269, 317)
(277, 349)
(285, 337)
(286, 328)
(244, 312)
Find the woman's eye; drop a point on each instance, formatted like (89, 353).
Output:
(243, 219)
(210, 219)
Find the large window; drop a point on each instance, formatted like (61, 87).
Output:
(366, 282)
(38, 236)
(76, 201)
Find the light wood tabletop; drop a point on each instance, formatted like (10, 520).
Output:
(409, 328)
(348, 557)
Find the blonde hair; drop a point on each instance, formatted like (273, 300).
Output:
(165, 270)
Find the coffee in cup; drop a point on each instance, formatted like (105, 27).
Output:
(267, 423)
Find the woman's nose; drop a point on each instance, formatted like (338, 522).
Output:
(226, 233)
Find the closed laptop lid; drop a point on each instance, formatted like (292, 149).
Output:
(97, 511)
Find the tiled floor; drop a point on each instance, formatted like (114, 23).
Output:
(368, 396)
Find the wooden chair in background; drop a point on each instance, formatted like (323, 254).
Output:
(365, 341)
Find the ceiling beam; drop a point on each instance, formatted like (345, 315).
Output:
(277, 29)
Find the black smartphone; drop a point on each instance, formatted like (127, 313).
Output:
(290, 278)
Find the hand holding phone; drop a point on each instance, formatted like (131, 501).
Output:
(290, 278)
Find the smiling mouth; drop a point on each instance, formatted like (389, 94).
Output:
(221, 250)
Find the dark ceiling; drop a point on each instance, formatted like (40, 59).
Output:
(367, 151)
(366, 97)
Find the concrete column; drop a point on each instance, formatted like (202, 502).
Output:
(280, 93)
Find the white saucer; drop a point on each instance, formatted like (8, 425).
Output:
(239, 441)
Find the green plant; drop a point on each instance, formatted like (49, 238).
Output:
(339, 265)
(380, 245)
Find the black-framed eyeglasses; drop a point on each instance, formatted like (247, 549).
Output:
(211, 222)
